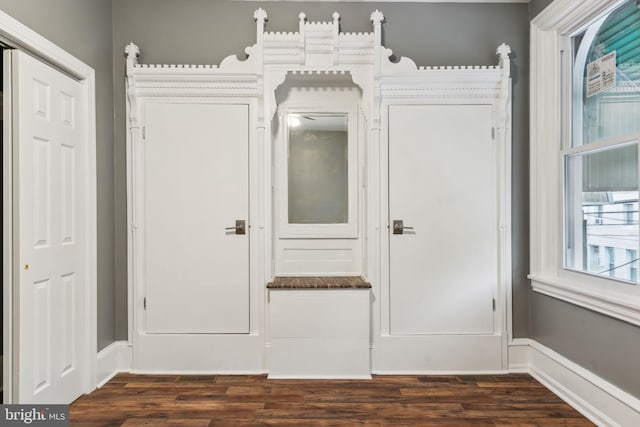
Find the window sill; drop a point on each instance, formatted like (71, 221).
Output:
(620, 301)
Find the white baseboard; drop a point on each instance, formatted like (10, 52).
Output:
(114, 358)
(194, 372)
(519, 355)
(597, 399)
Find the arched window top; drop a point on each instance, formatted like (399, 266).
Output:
(620, 32)
(606, 77)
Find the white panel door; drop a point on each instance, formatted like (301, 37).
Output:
(196, 186)
(442, 182)
(52, 283)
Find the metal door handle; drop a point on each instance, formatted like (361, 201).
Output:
(239, 228)
(399, 227)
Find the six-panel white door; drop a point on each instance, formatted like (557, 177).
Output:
(196, 182)
(51, 231)
(442, 182)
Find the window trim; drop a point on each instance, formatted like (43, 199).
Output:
(550, 31)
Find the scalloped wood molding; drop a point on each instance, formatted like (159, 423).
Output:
(317, 48)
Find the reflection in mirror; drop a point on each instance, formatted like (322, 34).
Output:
(317, 169)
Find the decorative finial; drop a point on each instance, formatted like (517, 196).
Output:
(302, 17)
(377, 17)
(132, 51)
(260, 15)
(336, 17)
(503, 50)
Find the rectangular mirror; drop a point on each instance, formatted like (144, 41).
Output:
(318, 169)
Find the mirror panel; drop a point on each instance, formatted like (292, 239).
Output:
(318, 169)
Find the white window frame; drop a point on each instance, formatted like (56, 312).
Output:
(551, 32)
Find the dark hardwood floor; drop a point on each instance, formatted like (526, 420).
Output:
(219, 400)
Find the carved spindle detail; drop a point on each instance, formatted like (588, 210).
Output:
(376, 17)
(260, 16)
(503, 52)
(505, 64)
(132, 52)
(336, 36)
(302, 19)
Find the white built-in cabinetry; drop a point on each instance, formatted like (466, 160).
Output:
(429, 146)
(319, 333)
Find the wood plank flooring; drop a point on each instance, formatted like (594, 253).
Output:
(218, 400)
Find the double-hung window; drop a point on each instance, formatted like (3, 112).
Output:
(600, 154)
(585, 132)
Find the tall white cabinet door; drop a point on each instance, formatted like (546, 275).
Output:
(196, 181)
(51, 228)
(442, 182)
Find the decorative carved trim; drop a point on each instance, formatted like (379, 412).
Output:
(317, 52)
(458, 67)
(132, 51)
(293, 48)
(376, 17)
(503, 52)
(260, 16)
(319, 49)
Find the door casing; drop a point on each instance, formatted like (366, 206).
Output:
(199, 352)
(439, 354)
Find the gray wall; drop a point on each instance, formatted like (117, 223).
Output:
(84, 29)
(606, 346)
(204, 31)
(537, 6)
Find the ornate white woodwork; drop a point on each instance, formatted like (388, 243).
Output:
(321, 52)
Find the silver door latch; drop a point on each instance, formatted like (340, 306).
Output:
(399, 227)
(239, 228)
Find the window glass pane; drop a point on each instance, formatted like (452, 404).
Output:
(601, 230)
(317, 167)
(607, 77)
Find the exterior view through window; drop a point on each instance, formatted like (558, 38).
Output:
(601, 161)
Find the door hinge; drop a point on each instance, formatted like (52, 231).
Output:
(144, 132)
(493, 303)
(493, 133)
(144, 303)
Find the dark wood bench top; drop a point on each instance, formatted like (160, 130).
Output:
(324, 282)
